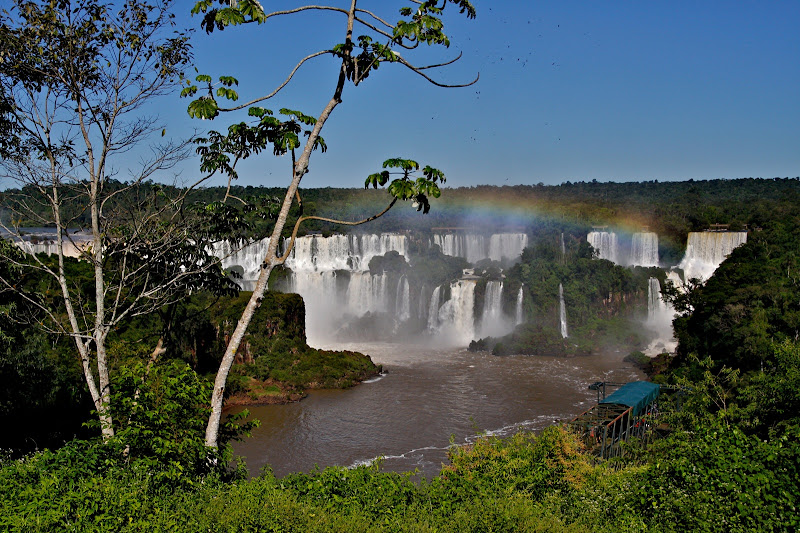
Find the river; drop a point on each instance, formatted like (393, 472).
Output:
(427, 397)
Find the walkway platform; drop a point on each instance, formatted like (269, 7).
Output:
(629, 412)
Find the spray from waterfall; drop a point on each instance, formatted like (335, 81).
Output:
(644, 249)
(457, 316)
(605, 243)
(706, 250)
(494, 323)
(403, 300)
(659, 320)
(433, 310)
(476, 247)
(520, 318)
(562, 311)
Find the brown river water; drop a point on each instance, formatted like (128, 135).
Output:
(427, 397)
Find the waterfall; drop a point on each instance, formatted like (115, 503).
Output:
(507, 246)
(366, 293)
(675, 278)
(520, 318)
(249, 258)
(706, 250)
(655, 305)
(51, 248)
(403, 300)
(563, 247)
(332, 275)
(659, 320)
(322, 298)
(605, 244)
(457, 315)
(433, 310)
(494, 322)
(342, 252)
(562, 311)
(644, 249)
(474, 248)
(469, 246)
(422, 305)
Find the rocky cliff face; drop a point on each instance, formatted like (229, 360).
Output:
(275, 364)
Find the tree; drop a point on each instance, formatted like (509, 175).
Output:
(76, 77)
(358, 57)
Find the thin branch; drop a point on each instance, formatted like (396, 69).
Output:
(443, 64)
(332, 220)
(306, 8)
(418, 70)
(282, 85)
(373, 15)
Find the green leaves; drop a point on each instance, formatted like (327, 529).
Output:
(300, 117)
(379, 178)
(228, 81)
(425, 25)
(405, 164)
(408, 186)
(233, 14)
(220, 152)
(230, 94)
(206, 107)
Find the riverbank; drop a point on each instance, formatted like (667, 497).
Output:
(428, 396)
(250, 391)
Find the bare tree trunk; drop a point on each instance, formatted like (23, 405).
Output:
(212, 429)
(81, 343)
(271, 260)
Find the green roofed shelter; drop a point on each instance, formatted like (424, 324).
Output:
(637, 395)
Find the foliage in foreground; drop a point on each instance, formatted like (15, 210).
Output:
(713, 479)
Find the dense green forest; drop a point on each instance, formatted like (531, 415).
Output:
(671, 209)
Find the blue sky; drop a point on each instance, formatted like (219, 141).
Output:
(613, 91)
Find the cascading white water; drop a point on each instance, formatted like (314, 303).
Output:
(520, 318)
(249, 258)
(330, 299)
(457, 315)
(422, 305)
(659, 320)
(474, 248)
(706, 250)
(51, 248)
(403, 300)
(366, 293)
(507, 246)
(322, 298)
(562, 311)
(494, 323)
(605, 244)
(644, 249)
(563, 246)
(342, 252)
(433, 310)
(469, 246)
(675, 278)
(655, 305)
